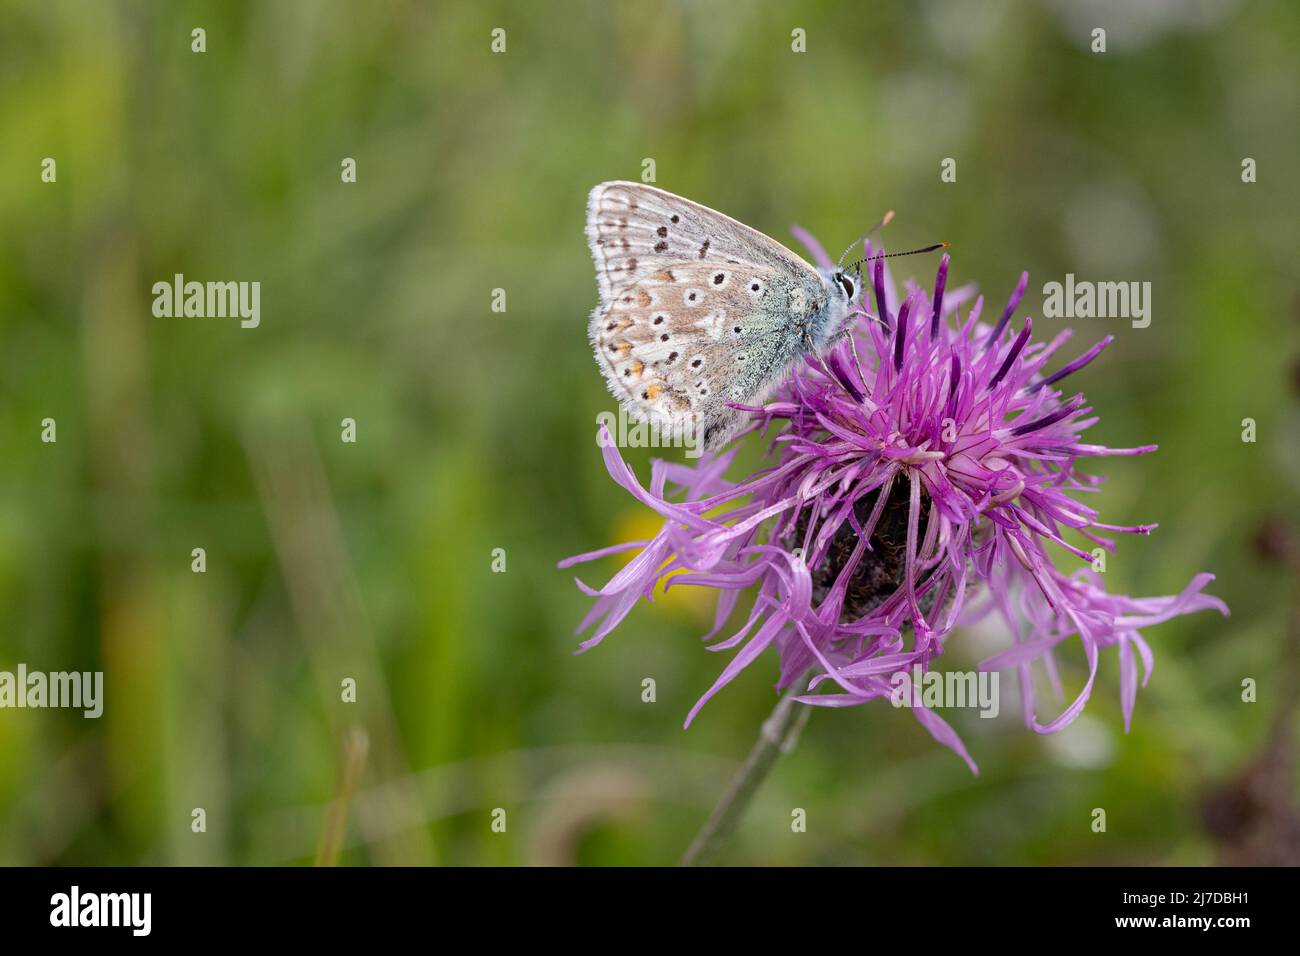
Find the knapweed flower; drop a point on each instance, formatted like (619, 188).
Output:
(923, 475)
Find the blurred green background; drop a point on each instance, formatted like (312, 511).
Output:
(475, 429)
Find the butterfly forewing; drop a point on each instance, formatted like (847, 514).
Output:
(631, 227)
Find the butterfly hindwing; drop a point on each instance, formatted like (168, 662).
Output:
(682, 342)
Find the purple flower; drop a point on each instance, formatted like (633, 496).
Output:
(912, 490)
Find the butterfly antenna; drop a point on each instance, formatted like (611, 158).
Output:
(884, 221)
(890, 255)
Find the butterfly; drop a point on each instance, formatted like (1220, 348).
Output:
(699, 312)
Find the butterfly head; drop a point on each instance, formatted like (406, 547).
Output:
(833, 308)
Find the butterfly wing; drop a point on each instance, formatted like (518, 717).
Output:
(696, 309)
(680, 344)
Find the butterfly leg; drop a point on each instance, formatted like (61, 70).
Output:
(857, 362)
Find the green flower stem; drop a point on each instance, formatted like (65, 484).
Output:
(778, 735)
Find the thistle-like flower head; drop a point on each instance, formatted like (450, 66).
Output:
(924, 475)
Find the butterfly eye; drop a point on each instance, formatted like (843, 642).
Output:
(845, 283)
